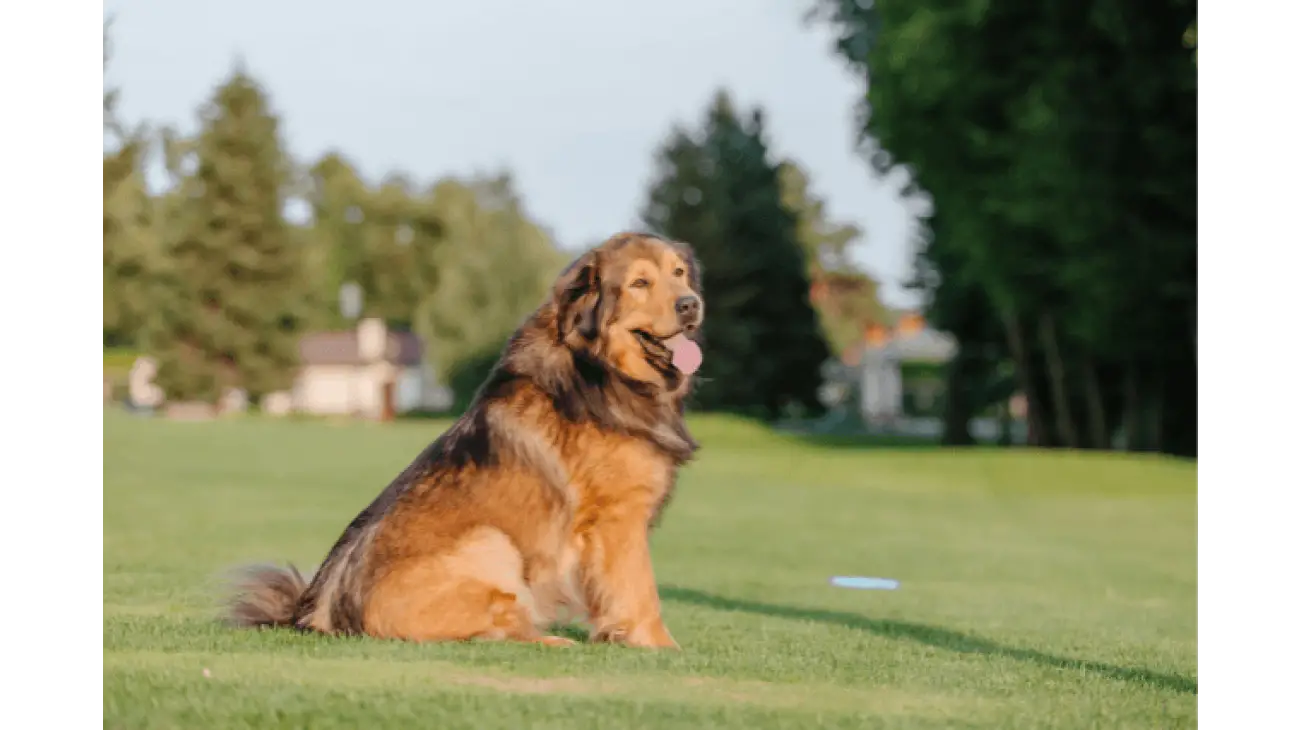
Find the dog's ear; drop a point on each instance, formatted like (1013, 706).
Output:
(577, 297)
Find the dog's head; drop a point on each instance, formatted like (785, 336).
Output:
(634, 303)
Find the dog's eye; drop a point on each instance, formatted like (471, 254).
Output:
(679, 272)
(640, 284)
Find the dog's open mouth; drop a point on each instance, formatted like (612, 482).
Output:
(653, 345)
(678, 350)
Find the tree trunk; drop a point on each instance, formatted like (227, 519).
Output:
(1132, 410)
(1158, 418)
(1004, 425)
(1024, 374)
(957, 401)
(1056, 371)
(1096, 408)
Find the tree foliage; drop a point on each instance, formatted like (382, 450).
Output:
(338, 197)
(210, 278)
(845, 297)
(1058, 143)
(719, 190)
(384, 239)
(130, 242)
(230, 307)
(497, 267)
(130, 246)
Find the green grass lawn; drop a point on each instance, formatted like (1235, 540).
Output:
(1038, 591)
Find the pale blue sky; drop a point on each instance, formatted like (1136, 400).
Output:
(573, 96)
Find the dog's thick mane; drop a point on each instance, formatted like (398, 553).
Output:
(584, 388)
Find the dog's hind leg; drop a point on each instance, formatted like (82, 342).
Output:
(474, 591)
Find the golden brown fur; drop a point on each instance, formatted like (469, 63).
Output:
(537, 504)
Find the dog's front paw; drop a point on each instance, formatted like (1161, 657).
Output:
(608, 633)
(650, 635)
(653, 636)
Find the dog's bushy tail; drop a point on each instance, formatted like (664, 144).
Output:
(265, 595)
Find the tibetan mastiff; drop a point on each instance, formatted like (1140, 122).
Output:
(537, 505)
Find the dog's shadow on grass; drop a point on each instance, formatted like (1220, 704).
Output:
(929, 635)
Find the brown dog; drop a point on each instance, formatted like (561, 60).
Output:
(540, 499)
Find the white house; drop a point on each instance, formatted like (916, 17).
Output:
(880, 385)
(370, 372)
(877, 367)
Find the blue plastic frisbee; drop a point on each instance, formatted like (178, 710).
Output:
(864, 583)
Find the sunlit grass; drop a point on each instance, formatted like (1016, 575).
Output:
(1038, 590)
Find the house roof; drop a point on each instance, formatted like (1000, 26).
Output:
(926, 344)
(340, 348)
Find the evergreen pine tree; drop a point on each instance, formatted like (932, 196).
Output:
(232, 307)
(130, 254)
(720, 192)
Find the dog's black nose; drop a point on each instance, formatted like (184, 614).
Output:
(688, 307)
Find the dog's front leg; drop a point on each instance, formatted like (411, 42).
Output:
(619, 585)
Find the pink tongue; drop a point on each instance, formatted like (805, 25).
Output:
(686, 354)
